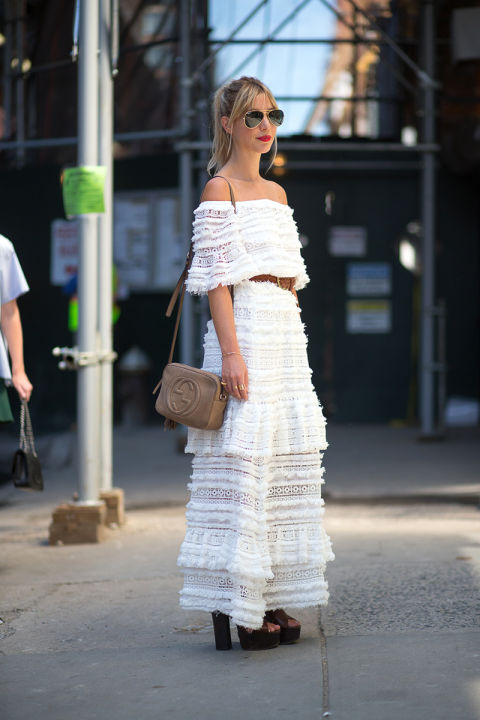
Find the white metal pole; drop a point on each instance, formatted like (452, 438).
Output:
(105, 251)
(185, 170)
(87, 400)
(427, 399)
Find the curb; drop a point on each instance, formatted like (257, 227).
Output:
(406, 499)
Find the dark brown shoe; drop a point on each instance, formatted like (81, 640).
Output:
(263, 639)
(289, 627)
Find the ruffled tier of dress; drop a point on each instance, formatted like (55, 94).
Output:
(231, 246)
(282, 414)
(255, 539)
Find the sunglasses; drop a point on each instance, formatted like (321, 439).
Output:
(253, 118)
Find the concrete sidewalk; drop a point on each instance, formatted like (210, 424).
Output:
(363, 463)
(95, 631)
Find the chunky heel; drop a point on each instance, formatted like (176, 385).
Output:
(221, 628)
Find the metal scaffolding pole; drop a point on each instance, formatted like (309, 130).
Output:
(87, 384)
(261, 43)
(308, 147)
(427, 399)
(7, 80)
(211, 57)
(105, 245)
(185, 169)
(20, 84)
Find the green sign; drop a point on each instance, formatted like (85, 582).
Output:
(82, 189)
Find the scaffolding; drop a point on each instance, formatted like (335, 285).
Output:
(95, 473)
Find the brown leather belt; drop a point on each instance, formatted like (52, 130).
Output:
(287, 283)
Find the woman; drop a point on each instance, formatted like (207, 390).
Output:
(254, 540)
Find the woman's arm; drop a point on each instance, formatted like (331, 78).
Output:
(12, 329)
(234, 369)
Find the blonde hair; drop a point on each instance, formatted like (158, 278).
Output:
(233, 100)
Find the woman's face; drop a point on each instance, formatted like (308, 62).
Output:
(258, 139)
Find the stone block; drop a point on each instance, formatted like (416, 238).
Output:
(74, 523)
(115, 506)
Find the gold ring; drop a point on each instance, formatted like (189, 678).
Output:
(241, 387)
(222, 382)
(236, 386)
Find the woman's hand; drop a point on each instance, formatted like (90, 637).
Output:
(234, 370)
(235, 375)
(22, 384)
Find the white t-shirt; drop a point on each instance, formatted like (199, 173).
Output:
(12, 285)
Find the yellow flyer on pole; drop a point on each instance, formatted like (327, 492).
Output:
(82, 189)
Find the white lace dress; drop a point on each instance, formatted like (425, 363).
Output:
(255, 539)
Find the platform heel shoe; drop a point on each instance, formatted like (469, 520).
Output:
(288, 634)
(262, 639)
(221, 628)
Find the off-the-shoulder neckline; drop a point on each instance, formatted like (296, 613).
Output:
(241, 202)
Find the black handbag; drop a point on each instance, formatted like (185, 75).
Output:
(26, 468)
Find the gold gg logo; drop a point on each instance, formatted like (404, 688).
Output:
(183, 396)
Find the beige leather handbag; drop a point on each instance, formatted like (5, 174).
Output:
(189, 395)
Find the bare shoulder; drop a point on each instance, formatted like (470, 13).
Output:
(278, 193)
(216, 189)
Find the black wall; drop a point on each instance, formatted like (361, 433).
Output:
(358, 377)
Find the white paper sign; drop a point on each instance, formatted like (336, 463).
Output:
(148, 250)
(132, 247)
(64, 251)
(347, 240)
(169, 250)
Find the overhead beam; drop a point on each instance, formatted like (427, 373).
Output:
(262, 43)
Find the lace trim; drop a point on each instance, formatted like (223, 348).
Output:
(246, 605)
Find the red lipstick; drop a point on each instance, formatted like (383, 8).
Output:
(265, 138)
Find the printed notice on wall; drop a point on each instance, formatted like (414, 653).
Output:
(170, 251)
(369, 279)
(64, 252)
(82, 189)
(347, 240)
(148, 249)
(368, 316)
(133, 240)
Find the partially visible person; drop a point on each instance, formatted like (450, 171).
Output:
(12, 285)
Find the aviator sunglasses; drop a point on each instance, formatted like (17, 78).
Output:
(253, 118)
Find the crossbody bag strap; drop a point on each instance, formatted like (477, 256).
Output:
(232, 195)
(179, 290)
(180, 286)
